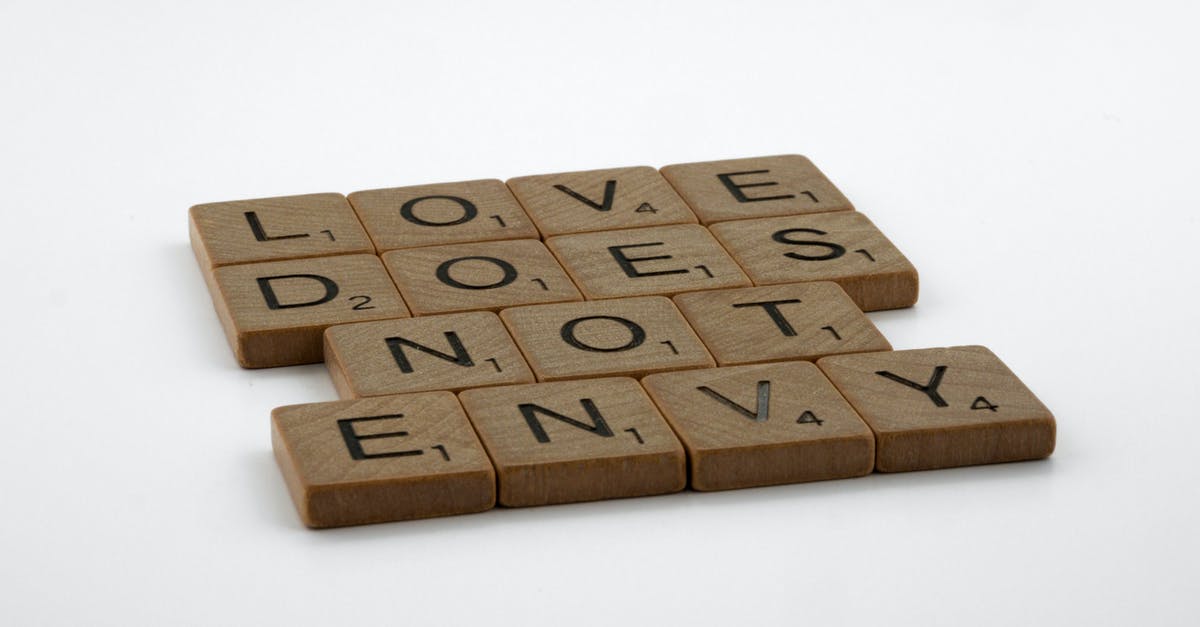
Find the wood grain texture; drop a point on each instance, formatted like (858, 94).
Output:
(483, 275)
(271, 229)
(779, 323)
(451, 352)
(575, 441)
(627, 336)
(275, 312)
(599, 200)
(757, 187)
(845, 247)
(381, 459)
(441, 213)
(637, 262)
(960, 406)
(764, 424)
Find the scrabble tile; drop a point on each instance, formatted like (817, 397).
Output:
(484, 275)
(842, 247)
(627, 336)
(779, 322)
(763, 424)
(638, 262)
(599, 200)
(575, 441)
(274, 312)
(272, 229)
(449, 352)
(381, 459)
(759, 187)
(943, 407)
(442, 213)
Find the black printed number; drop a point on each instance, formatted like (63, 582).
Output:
(361, 303)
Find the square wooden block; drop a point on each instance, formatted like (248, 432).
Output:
(441, 213)
(381, 459)
(638, 262)
(943, 407)
(764, 424)
(627, 336)
(272, 229)
(483, 275)
(449, 352)
(842, 247)
(758, 187)
(779, 323)
(274, 313)
(575, 441)
(599, 200)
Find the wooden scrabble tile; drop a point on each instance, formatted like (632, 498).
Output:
(637, 262)
(483, 275)
(381, 459)
(764, 424)
(271, 229)
(575, 441)
(599, 200)
(943, 407)
(449, 352)
(442, 213)
(737, 189)
(842, 247)
(779, 322)
(627, 336)
(275, 312)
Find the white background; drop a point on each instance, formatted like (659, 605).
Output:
(1036, 161)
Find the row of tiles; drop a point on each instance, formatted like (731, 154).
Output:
(421, 455)
(616, 337)
(376, 221)
(282, 298)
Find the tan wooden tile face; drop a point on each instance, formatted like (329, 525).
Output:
(274, 313)
(449, 352)
(779, 322)
(638, 262)
(628, 336)
(599, 200)
(764, 424)
(943, 407)
(737, 189)
(270, 229)
(442, 213)
(842, 247)
(575, 441)
(484, 275)
(381, 459)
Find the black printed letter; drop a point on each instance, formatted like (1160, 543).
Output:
(930, 389)
(772, 309)
(736, 189)
(460, 356)
(468, 209)
(354, 440)
(599, 426)
(761, 409)
(610, 189)
(631, 270)
(835, 250)
(637, 334)
(260, 233)
(268, 292)
(443, 273)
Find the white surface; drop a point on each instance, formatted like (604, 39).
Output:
(1036, 161)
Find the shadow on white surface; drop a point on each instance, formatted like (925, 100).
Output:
(276, 509)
